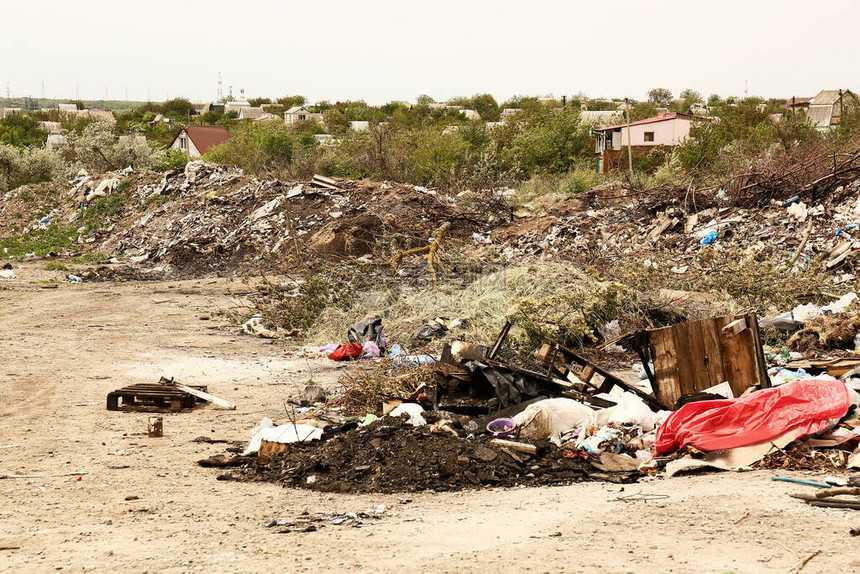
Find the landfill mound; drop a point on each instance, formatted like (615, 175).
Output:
(389, 456)
(209, 219)
(611, 223)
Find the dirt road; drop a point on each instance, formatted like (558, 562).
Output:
(64, 349)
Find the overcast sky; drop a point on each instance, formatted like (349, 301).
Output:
(382, 50)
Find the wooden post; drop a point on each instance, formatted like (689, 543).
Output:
(629, 141)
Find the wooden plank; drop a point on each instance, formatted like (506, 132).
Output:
(587, 372)
(543, 353)
(500, 340)
(207, 397)
(610, 379)
(713, 353)
(740, 365)
(758, 349)
(681, 335)
(665, 367)
(699, 356)
(517, 446)
(735, 327)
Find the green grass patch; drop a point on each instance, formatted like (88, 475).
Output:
(94, 257)
(543, 191)
(124, 186)
(40, 242)
(56, 266)
(158, 199)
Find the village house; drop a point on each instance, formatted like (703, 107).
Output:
(257, 114)
(51, 127)
(668, 129)
(197, 140)
(9, 112)
(601, 118)
(236, 106)
(300, 114)
(55, 141)
(824, 111)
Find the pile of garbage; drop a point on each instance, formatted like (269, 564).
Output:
(492, 417)
(206, 219)
(615, 224)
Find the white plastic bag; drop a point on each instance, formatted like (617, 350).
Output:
(287, 433)
(414, 411)
(549, 417)
(633, 410)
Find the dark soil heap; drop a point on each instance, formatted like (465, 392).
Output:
(390, 456)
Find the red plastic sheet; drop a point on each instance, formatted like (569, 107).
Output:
(346, 351)
(715, 425)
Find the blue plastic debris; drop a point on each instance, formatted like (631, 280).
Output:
(709, 238)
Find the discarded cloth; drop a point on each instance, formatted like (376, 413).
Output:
(346, 351)
(806, 405)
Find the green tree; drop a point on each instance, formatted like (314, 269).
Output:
(642, 111)
(486, 106)
(424, 99)
(257, 147)
(291, 101)
(660, 96)
(547, 140)
(177, 109)
(21, 131)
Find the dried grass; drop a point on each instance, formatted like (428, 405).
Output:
(826, 332)
(364, 388)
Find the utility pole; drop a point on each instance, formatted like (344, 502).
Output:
(629, 140)
(220, 90)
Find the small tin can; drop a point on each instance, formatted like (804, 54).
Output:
(155, 428)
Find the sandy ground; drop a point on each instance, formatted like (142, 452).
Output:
(64, 349)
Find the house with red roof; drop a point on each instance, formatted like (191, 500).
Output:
(668, 129)
(197, 140)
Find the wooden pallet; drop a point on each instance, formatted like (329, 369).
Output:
(151, 398)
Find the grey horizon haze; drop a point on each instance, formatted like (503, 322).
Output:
(381, 50)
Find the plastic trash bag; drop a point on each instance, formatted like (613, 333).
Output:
(413, 360)
(549, 417)
(369, 330)
(806, 405)
(346, 351)
(633, 410)
(709, 238)
(415, 412)
(369, 350)
(287, 433)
